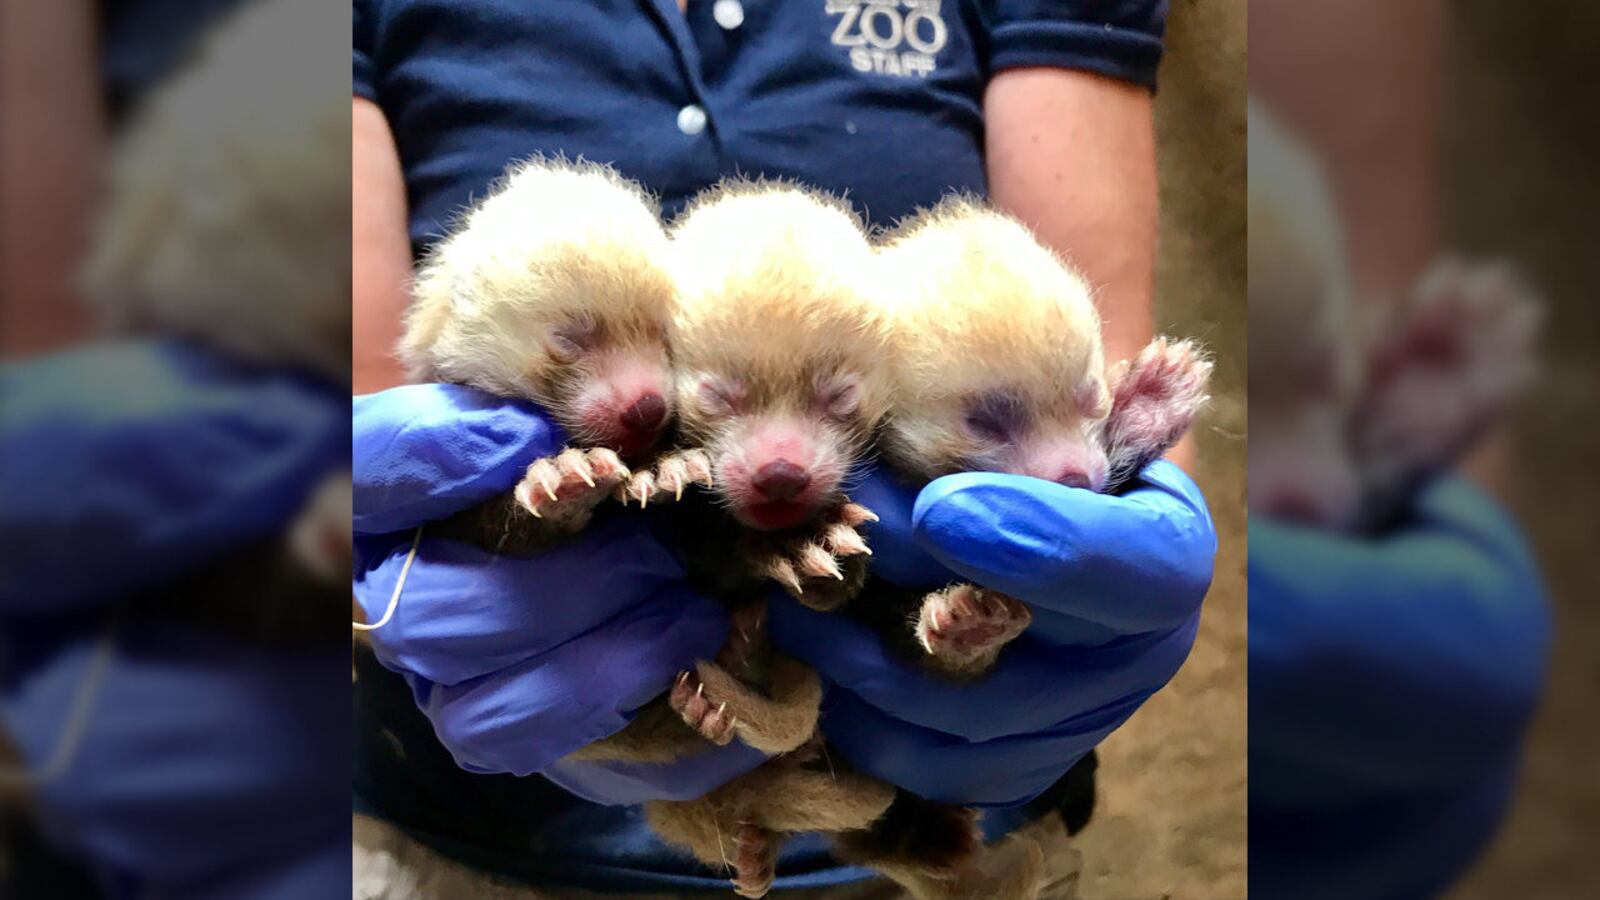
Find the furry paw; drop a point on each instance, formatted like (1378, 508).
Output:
(668, 478)
(755, 860)
(1154, 399)
(711, 719)
(823, 569)
(963, 627)
(320, 537)
(776, 721)
(564, 489)
(1459, 354)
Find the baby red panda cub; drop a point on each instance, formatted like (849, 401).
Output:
(1353, 407)
(997, 366)
(226, 222)
(562, 288)
(776, 347)
(555, 289)
(558, 289)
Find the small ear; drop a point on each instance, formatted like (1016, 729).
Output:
(1094, 401)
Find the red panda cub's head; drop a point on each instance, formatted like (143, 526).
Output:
(997, 361)
(557, 288)
(778, 346)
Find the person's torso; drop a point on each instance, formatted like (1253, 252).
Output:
(877, 101)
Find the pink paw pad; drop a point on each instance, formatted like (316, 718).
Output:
(964, 624)
(1457, 357)
(570, 483)
(1154, 399)
(320, 538)
(711, 719)
(754, 861)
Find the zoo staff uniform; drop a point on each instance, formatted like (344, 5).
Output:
(875, 100)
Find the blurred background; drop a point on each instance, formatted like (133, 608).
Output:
(1449, 740)
(174, 488)
(1172, 818)
(1519, 178)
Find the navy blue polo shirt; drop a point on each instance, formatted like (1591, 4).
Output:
(876, 100)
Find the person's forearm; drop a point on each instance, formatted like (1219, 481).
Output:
(51, 136)
(380, 251)
(1361, 82)
(1073, 156)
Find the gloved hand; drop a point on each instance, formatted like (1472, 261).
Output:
(519, 662)
(169, 758)
(202, 767)
(125, 464)
(1114, 584)
(1391, 682)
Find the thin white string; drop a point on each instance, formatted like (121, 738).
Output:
(83, 703)
(394, 599)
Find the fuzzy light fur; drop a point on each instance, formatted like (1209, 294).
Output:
(557, 245)
(977, 303)
(779, 796)
(1300, 295)
(227, 215)
(776, 292)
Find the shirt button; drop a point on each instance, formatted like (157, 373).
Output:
(728, 13)
(691, 119)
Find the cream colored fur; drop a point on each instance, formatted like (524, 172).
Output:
(776, 290)
(557, 243)
(978, 303)
(227, 214)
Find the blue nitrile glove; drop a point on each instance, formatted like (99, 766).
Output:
(124, 464)
(519, 662)
(200, 759)
(1114, 584)
(203, 760)
(1391, 681)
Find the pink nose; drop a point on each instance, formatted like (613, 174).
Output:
(1075, 478)
(781, 480)
(646, 414)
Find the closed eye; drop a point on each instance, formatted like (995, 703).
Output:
(720, 397)
(572, 338)
(994, 416)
